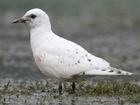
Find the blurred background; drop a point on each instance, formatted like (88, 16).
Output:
(106, 28)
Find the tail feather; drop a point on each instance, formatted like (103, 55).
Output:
(119, 71)
(108, 71)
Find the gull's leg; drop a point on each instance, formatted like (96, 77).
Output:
(60, 88)
(73, 87)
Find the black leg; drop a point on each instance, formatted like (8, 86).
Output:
(73, 87)
(60, 88)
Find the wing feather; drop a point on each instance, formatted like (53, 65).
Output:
(67, 59)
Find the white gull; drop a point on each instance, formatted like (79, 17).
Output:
(59, 58)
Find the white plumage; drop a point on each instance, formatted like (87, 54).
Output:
(60, 58)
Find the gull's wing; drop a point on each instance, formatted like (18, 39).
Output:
(65, 59)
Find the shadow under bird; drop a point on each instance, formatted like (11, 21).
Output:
(59, 58)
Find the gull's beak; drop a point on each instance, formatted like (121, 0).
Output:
(19, 20)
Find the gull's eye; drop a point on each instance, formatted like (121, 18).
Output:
(33, 16)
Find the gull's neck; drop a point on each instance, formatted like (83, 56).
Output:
(41, 31)
(39, 35)
(45, 27)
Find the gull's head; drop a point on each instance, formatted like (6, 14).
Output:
(34, 18)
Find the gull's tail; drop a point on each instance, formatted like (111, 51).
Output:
(108, 71)
(95, 72)
(119, 71)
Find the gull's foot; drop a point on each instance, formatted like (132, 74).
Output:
(73, 87)
(60, 89)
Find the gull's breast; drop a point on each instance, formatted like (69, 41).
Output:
(45, 67)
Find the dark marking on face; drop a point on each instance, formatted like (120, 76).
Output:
(86, 55)
(33, 16)
(76, 52)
